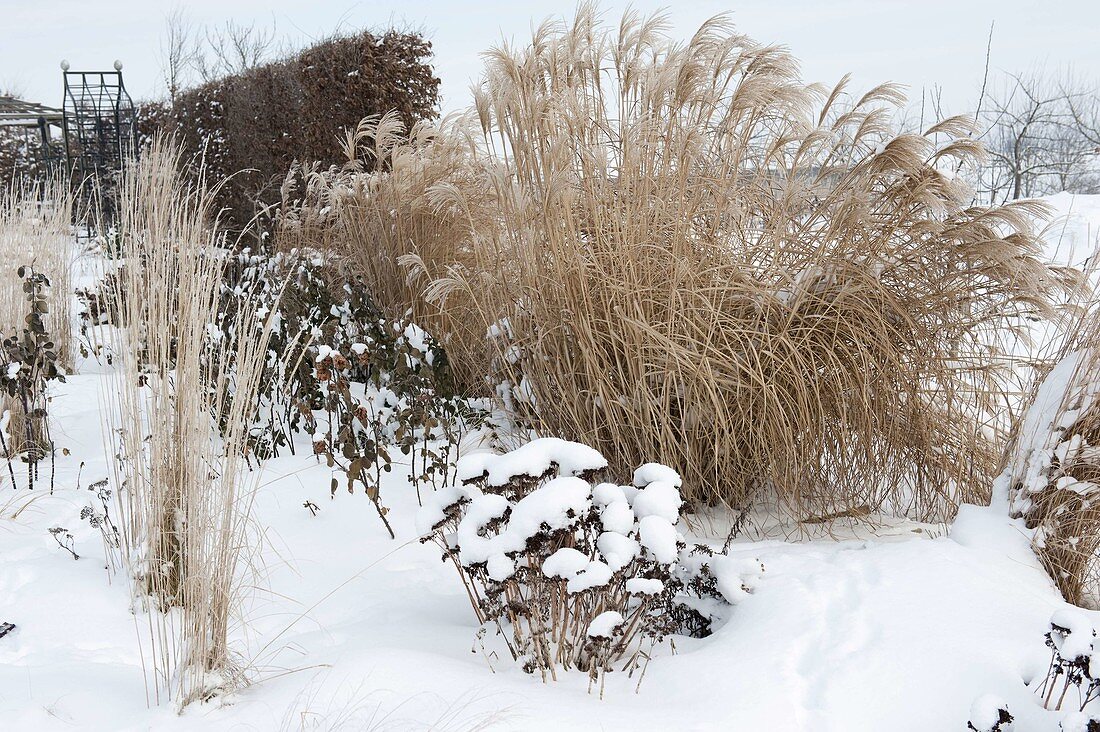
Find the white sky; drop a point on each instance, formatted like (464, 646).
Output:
(917, 43)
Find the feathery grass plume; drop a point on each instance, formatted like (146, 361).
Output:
(35, 231)
(185, 492)
(699, 259)
(420, 205)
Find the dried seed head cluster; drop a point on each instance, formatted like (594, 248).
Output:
(1072, 643)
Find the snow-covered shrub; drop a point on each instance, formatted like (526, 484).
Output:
(1052, 473)
(989, 714)
(573, 572)
(404, 404)
(1074, 663)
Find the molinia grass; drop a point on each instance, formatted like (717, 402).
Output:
(184, 490)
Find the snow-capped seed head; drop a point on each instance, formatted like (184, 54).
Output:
(565, 563)
(596, 574)
(1072, 633)
(605, 494)
(659, 538)
(616, 549)
(618, 517)
(658, 499)
(532, 460)
(651, 472)
(643, 586)
(1080, 722)
(558, 504)
(500, 567)
(989, 713)
(605, 624)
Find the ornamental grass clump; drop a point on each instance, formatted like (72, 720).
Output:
(37, 250)
(422, 202)
(574, 573)
(180, 408)
(702, 260)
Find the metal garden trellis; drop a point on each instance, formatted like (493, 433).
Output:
(98, 121)
(98, 129)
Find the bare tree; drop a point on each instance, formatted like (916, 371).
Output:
(1043, 136)
(235, 49)
(178, 51)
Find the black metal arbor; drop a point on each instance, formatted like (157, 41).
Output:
(98, 123)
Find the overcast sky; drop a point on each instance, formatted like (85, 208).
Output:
(918, 43)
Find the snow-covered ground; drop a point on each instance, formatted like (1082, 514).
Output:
(899, 628)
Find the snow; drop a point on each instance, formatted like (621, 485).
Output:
(556, 504)
(658, 498)
(901, 628)
(652, 472)
(605, 494)
(618, 517)
(838, 635)
(604, 624)
(1073, 235)
(617, 550)
(565, 562)
(596, 574)
(531, 460)
(1072, 633)
(659, 538)
(643, 586)
(1078, 722)
(985, 713)
(735, 576)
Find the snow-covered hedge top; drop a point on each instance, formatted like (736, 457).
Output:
(1064, 396)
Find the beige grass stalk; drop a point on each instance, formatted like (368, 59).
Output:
(707, 262)
(184, 491)
(36, 230)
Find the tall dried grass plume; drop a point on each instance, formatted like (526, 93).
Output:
(185, 487)
(696, 256)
